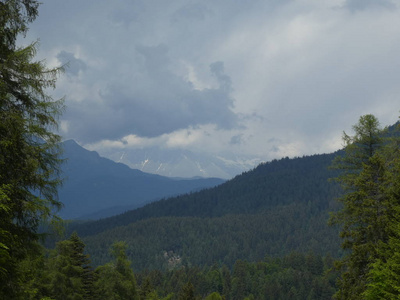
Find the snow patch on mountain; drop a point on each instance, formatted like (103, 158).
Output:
(183, 163)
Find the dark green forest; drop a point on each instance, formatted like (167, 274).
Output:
(277, 183)
(66, 270)
(316, 227)
(278, 207)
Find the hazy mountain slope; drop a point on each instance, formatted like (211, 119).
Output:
(277, 183)
(276, 208)
(93, 183)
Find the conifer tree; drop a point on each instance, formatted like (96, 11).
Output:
(116, 279)
(187, 292)
(368, 209)
(29, 149)
(71, 276)
(82, 261)
(384, 273)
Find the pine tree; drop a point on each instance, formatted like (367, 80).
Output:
(29, 149)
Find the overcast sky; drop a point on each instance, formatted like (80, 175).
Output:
(267, 78)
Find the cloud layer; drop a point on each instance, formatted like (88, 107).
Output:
(266, 78)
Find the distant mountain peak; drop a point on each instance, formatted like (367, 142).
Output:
(182, 163)
(94, 183)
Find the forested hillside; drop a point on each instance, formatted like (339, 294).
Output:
(261, 235)
(295, 276)
(67, 270)
(278, 207)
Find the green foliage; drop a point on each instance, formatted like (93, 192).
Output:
(69, 271)
(116, 280)
(291, 277)
(60, 276)
(187, 292)
(29, 153)
(214, 296)
(384, 273)
(274, 209)
(383, 276)
(270, 185)
(370, 207)
(170, 242)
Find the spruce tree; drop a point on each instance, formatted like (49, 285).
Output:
(71, 276)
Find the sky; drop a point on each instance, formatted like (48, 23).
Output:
(262, 78)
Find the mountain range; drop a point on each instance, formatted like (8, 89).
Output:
(278, 207)
(96, 187)
(183, 163)
(274, 209)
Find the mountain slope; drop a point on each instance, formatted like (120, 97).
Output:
(93, 183)
(276, 183)
(276, 208)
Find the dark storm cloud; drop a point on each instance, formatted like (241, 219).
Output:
(302, 71)
(158, 103)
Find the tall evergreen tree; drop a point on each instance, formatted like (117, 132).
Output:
(115, 280)
(29, 151)
(82, 261)
(71, 276)
(384, 273)
(368, 210)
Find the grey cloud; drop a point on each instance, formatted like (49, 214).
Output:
(305, 69)
(217, 68)
(191, 12)
(360, 5)
(126, 13)
(156, 58)
(73, 64)
(158, 103)
(236, 140)
(253, 116)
